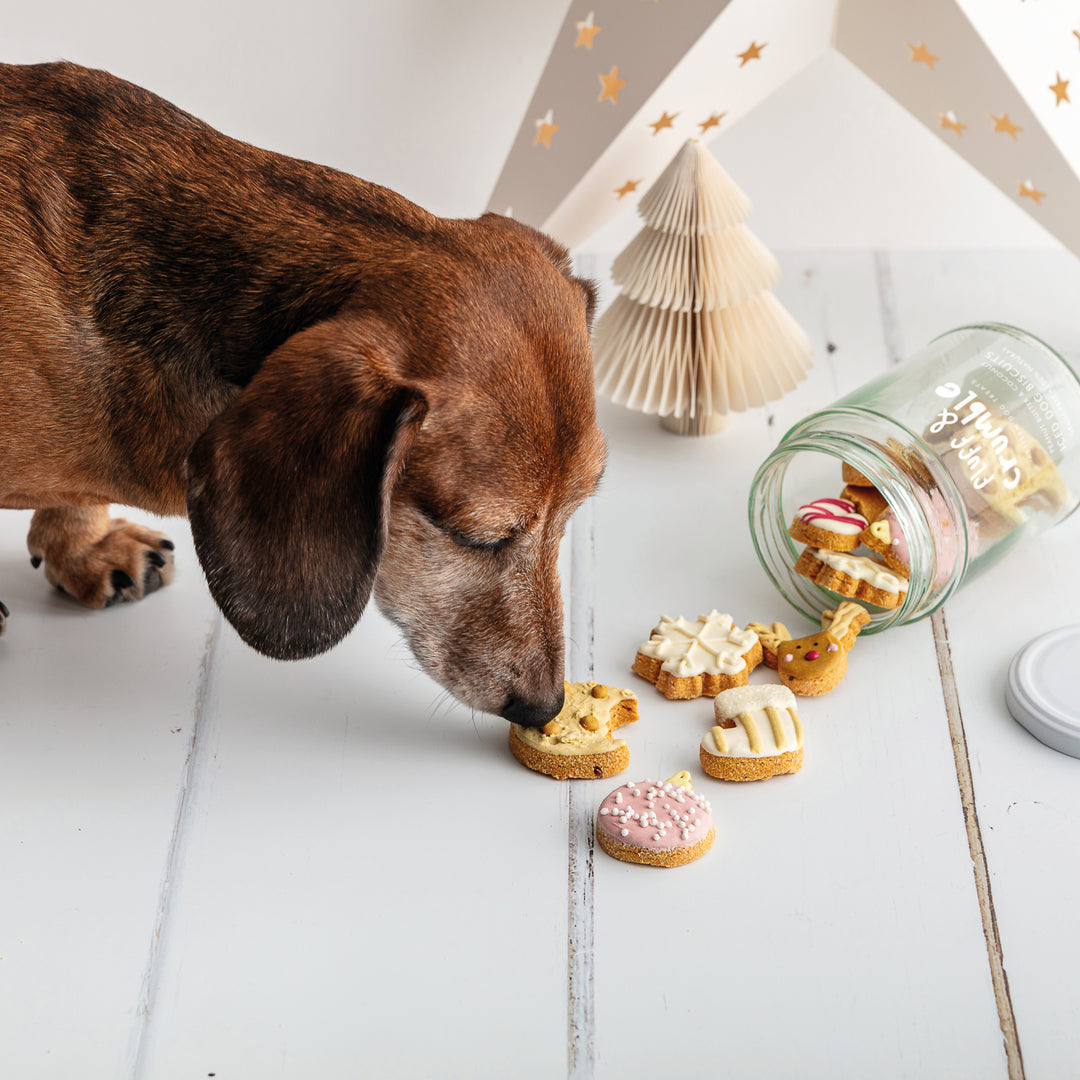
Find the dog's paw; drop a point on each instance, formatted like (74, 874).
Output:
(4, 613)
(127, 563)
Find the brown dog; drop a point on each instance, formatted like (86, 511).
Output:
(344, 392)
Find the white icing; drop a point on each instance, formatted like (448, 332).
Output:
(861, 568)
(823, 514)
(711, 645)
(737, 739)
(729, 703)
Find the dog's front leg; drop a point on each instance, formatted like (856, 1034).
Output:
(99, 560)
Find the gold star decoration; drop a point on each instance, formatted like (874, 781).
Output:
(1077, 34)
(948, 120)
(1004, 124)
(545, 128)
(1029, 191)
(1061, 89)
(665, 121)
(753, 53)
(920, 54)
(612, 84)
(586, 31)
(713, 121)
(629, 186)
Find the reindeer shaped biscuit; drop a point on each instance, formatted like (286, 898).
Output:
(816, 663)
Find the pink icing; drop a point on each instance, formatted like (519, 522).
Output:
(941, 528)
(655, 815)
(823, 512)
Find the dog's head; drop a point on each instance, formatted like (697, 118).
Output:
(430, 443)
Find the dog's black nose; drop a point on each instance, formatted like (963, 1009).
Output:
(531, 713)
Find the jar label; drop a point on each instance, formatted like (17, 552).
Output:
(998, 434)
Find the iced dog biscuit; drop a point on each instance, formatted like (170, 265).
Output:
(816, 663)
(868, 501)
(757, 734)
(828, 523)
(855, 576)
(578, 744)
(656, 824)
(769, 636)
(687, 659)
(845, 621)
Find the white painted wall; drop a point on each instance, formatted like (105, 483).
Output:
(425, 96)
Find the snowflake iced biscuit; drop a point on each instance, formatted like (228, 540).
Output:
(656, 824)
(688, 659)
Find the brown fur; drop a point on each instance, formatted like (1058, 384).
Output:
(345, 393)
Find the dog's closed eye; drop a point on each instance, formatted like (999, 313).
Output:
(468, 539)
(464, 540)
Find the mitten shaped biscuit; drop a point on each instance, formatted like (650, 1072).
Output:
(757, 734)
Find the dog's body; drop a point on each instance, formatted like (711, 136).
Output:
(343, 391)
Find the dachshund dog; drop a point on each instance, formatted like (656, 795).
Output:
(346, 394)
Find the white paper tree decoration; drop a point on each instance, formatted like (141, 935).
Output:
(695, 332)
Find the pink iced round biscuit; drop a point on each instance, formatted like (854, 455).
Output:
(655, 823)
(828, 523)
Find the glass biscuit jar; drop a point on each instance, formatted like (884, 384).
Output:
(974, 446)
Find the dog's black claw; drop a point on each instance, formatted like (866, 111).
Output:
(121, 579)
(151, 581)
(168, 545)
(3, 609)
(36, 561)
(156, 558)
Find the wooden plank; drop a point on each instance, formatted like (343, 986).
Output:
(1025, 797)
(95, 728)
(332, 940)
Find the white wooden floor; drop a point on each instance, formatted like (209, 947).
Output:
(191, 884)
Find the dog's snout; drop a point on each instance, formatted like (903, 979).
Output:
(532, 713)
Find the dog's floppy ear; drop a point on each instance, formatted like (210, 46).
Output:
(289, 487)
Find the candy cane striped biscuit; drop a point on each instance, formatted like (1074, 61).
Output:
(828, 523)
(656, 824)
(689, 659)
(853, 575)
(578, 744)
(757, 734)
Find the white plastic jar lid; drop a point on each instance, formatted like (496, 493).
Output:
(1043, 689)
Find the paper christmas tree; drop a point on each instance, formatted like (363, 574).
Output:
(695, 332)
